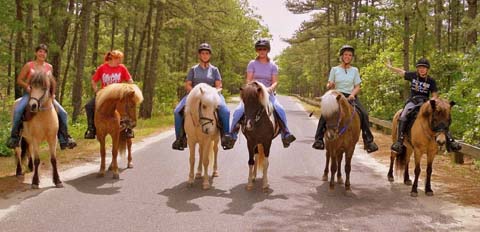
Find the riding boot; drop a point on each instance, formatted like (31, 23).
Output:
(287, 137)
(319, 144)
(452, 145)
(129, 133)
(91, 131)
(227, 140)
(398, 145)
(180, 142)
(66, 141)
(14, 140)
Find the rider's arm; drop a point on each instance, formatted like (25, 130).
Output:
(21, 77)
(272, 87)
(331, 79)
(399, 71)
(249, 77)
(434, 95)
(356, 90)
(218, 84)
(188, 86)
(94, 85)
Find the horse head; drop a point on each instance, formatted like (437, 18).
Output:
(42, 90)
(255, 99)
(127, 106)
(202, 104)
(331, 103)
(438, 114)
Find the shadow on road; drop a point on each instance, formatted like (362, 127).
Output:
(92, 184)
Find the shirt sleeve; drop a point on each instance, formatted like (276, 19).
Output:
(274, 69)
(331, 76)
(216, 75)
(433, 86)
(356, 77)
(190, 75)
(126, 75)
(409, 76)
(96, 76)
(250, 67)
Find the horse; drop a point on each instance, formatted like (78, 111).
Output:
(40, 124)
(201, 128)
(341, 135)
(426, 134)
(115, 111)
(260, 128)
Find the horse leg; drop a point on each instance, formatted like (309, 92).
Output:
(199, 167)
(205, 160)
(418, 157)
(255, 167)
(52, 144)
(327, 161)
(333, 169)
(114, 164)
(129, 150)
(265, 151)
(215, 154)
(192, 164)
(101, 139)
(390, 171)
(18, 157)
(428, 187)
(339, 168)
(35, 179)
(251, 163)
(406, 175)
(348, 168)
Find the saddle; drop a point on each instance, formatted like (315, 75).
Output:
(411, 119)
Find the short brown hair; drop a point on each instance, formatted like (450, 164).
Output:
(41, 47)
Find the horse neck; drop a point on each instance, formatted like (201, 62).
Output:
(193, 110)
(346, 111)
(108, 107)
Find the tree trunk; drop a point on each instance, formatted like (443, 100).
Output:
(113, 32)
(438, 24)
(29, 29)
(472, 14)
(142, 38)
(96, 34)
(19, 43)
(80, 61)
(43, 27)
(406, 42)
(126, 51)
(70, 53)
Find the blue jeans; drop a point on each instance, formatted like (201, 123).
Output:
(223, 114)
(20, 109)
(239, 111)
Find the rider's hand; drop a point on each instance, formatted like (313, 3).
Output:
(351, 97)
(388, 63)
(28, 89)
(330, 85)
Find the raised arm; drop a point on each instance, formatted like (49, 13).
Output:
(399, 71)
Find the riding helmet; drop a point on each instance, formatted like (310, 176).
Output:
(422, 62)
(346, 47)
(262, 43)
(204, 47)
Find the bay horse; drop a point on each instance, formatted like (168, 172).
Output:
(40, 124)
(115, 111)
(201, 128)
(341, 135)
(260, 128)
(426, 134)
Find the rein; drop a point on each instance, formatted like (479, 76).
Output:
(346, 125)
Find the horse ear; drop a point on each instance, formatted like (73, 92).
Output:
(452, 103)
(338, 97)
(201, 90)
(241, 88)
(433, 104)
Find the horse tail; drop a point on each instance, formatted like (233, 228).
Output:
(260, 157)
(122, 145)
(400, 162)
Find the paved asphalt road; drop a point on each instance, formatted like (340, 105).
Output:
(154, 195)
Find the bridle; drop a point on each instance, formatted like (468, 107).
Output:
(204, 121)
(339, 116)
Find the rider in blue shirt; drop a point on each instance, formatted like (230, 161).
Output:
(204, 72)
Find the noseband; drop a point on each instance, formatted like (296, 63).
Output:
(339, 116)
(204, 121)
(40, 100)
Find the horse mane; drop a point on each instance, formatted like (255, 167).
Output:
(329, 103)
(426, 109)
(118, 91)
(201, 92)
(40, 79)
(251, 90)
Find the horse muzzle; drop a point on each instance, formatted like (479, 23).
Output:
(331, 134)
(248, 125)
(440, 138)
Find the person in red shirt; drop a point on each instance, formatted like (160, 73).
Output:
(111, 71)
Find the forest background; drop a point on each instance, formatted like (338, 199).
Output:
(160, 39)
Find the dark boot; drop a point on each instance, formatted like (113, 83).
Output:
(227, 141)
(452, 145)
(129, 133)
(90, 110)
(398, 146)
(319, 144)
(14, 140)
(370, 147)
(66, 141)
(289, 138)
(180, 143)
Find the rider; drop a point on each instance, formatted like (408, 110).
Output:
(111, 71)
(420, 88)
(203, 72)
(347, 80)
(38, 65)
(263, 70)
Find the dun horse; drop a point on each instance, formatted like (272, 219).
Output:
(201, 128)
(115, 111)
(259, 128)
(426, 134)
(342, 133)
(41, 125)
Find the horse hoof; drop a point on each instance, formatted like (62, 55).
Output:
(35, 186)
(391, 179)
(408, 182)
(206, 186)
(59, 185)
(324, 178)
(130, 165)
(116, 176)
(265, 187)
(249, 187)
(215, 174)
(101, 174)
(413, 194)
(110, 168)
(430, 193)
(254, 179)
(340, 181)
(198, 175)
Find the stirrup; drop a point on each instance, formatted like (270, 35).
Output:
(453, 146)
(319, 144)
(70, 144)
(178, 145)
(371, 147)
(129, 133)
(13, 142)
(287, 140)
(397, 147)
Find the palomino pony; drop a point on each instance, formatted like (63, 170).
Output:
(427, 133)
(115, 111)
(259, 127)
(41, 125)
(201, 128)
(341, 135)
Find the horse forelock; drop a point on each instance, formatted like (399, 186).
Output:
(202, 93)
(329, 103)
(118, 91)
(40, 80)
(250, 91)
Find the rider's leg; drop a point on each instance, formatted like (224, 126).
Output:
(402, 126)
(66, 141)
(367, 135)
(224, 116)
(17, 120)
(452, 145)
(180, 137)
(237, 115)
(90, 111)
(319, 144)
(287, 137)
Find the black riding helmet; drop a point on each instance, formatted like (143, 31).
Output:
(346, 47)
(262, 43)
(422, 62)
(204, 47)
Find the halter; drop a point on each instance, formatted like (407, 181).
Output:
(124, 119)
(40, 100)
(346, 125)
(204, 121)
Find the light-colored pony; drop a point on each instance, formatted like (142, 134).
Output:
(115, 111)
(41, 125)
(201, 128)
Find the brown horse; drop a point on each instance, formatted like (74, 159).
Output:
(201, 128)
(115, 111)
(427, 133)
(259, 127)
(41, 125)
(342, 133)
